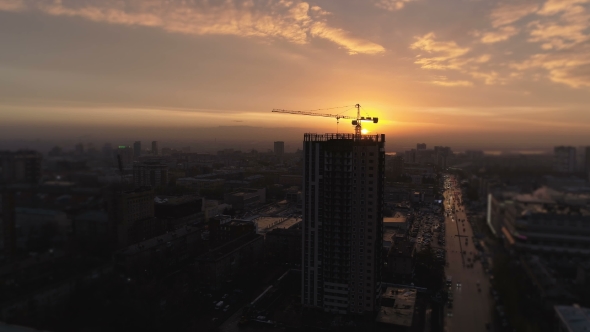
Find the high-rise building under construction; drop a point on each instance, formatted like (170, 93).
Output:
(342, 222)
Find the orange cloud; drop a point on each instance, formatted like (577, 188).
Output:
(500, 34)
(508, 13)
(391, 5)
(12, 5)
(295, 21)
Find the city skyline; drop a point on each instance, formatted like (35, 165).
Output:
(484, 74)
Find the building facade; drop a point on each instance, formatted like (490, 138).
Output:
(150, 174)
(342, 222)
(564, 159)
(137, 149)
(279, 149)
(20, 167)
(155, 149)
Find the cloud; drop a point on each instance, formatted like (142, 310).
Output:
(500, 34)
(293, 20)
(451, 83)
(391, 5)
(562, 24)
(12, 5)
(445, 52)
(508, 13)
(343, 38)
(570, 67)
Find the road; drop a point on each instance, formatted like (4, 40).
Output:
(471, 309)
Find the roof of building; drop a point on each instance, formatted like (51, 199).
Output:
(574, 318)
(175, 200)
(402, 312)
(229, 247)
(158, 240)
(93, 215)
(41, 212)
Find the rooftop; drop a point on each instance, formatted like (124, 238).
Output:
(229, 247)
(397, 306)
(574, 318)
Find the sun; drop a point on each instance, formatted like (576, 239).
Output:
(364, 131)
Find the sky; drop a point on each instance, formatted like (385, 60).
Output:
(489, 74)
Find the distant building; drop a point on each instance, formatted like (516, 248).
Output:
(33, 224)
(223, 229)
(22, 166)
(125, 152)
(131, 216)
(552, 224)
(397, 166)
(91, 229)
(155, 150)
(150, 174)
(79, 148)
(564, 159)
(421, 146)
(279, 149)
(137, 149)
(474, 154)
(178, 211)
(291, 180)
(243, 198)
(107, 150)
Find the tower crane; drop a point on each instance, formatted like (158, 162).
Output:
(356, 121)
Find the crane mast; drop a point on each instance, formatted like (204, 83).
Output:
(356, 121)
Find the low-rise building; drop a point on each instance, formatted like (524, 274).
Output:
(159, 253)
(244, 198)
(397, 307)
(232, 260)
(177, 211)
(284, 245)
(400, 259)
(572, 318)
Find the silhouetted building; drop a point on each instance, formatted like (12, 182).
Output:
(236, 259)
(91, 229)
(155, 149)
(564, 159)
(131, 216)
(125, 152)
(244, 198)
(79, 148)
(8, 215)
(400, 260)
(150, 174)
(178, 211)
(342, 222)
(22, 166)
(397, 166)
(160, 253)
(284, 246)
(421, 146)
(279, 149)
(137, 149)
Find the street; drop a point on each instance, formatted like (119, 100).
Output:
(470, 310)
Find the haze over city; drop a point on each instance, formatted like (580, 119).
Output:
(487, 74)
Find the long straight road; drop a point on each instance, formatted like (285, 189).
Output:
(471, 309)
